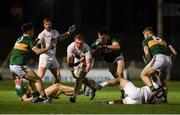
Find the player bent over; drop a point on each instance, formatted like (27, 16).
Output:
(109, 48)
(25, 92)
(133, 94)
(23, 46)
(156, 50)
(79, 60)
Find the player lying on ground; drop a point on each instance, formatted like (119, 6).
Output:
(25, 92)
(133, 94)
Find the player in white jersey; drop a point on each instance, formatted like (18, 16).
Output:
(79, 60)
(133, 94)
(48, 59)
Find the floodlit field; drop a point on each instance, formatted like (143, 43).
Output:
(10, 104)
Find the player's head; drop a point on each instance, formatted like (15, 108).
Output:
(18, 80)
(28, 29)
(148, 31)
(79, 40)
(103, 34)
(47, 24)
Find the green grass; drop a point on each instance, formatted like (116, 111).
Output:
(10, 104)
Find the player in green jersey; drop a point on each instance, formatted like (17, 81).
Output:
(24, 92)
(157, 53)
(110, 50)
(23, 46)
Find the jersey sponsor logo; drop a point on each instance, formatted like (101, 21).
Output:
(21, 46)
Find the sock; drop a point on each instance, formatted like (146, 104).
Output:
(110, 102)
(152, 88)
(103, 84)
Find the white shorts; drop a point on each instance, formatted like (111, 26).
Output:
(21, 71)
(133, 95)
(161, 61)
(47, 62)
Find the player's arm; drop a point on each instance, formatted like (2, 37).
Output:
(39, 51)
(147, 53)
(64, 36)
(88, 64)
(115, 46)
(174, 52)
(70, 62)
(43, 50)
(25, 98)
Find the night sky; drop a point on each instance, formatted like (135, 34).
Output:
(125, 18)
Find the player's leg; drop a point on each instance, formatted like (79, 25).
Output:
(114, 102)
(36, 81)
(55, 70)
(42, 66)
(92, 85)
(156, 64)
(79, 74)
(146, 73)
(120, 70)
(67, 90)
(56, 74)
(41, 71)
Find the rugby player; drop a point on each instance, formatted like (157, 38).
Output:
(156, 51)
(79, 61)
(23, 46)
(48, 59)
(25, 92)
(133, 94)
(110, 50)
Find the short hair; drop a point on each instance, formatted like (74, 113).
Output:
(80, 37)
(46, 20)
(149, 30)
(27, 27)
(104, 30)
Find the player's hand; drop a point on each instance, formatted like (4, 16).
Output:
(72, 29)
(53, 44)
(102, 47)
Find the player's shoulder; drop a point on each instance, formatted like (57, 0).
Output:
(42, 33)
(54, 31)
(72, 45)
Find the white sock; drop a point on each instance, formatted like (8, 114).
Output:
(103, 84)
(111, 102)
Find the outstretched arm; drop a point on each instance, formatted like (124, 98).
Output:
(64, 36)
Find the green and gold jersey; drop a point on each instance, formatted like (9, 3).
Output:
(109, 56)
(22, 48)
(156, 45)
(22, 90)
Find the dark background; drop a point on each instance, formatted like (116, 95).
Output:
(125, 18)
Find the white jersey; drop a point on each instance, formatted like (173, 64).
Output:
(135, 95)
(45, 37)
(85, 50)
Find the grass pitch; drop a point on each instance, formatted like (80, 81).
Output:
(10, 104)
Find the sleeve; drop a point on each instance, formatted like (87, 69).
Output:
(41, 35)
(95, 44)
(57, 34)
(70, 50)
(88, 53)
(31, 44)
(144, 43)
(20, 91)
